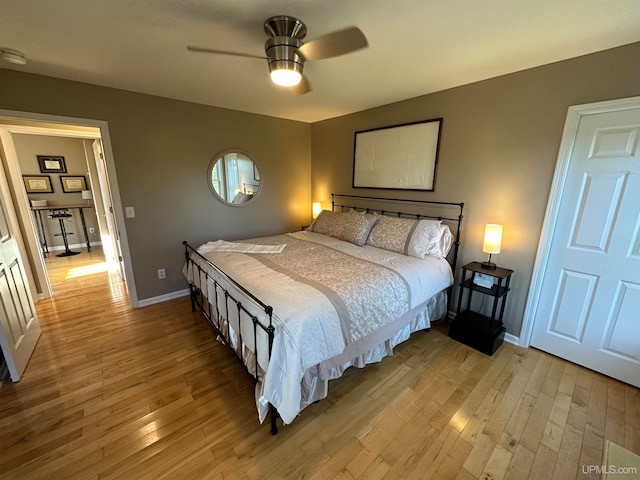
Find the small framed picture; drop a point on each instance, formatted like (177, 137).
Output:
(37, 183)
(50, 164)
(72, 184)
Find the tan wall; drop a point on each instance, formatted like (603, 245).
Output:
(162, 149)
(499, 146)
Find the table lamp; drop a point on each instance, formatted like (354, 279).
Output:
(492, 243)
(316, 208)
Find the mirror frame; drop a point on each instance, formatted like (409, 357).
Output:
(216, 158)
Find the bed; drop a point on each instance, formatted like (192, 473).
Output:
(299, 309)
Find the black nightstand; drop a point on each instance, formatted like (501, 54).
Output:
(472, 328)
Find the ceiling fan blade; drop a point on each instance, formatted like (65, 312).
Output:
(334, 44)
(303, 87)
(224, 52)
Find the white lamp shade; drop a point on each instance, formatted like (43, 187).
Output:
(492, 238)
(316, 208)
(86, 195)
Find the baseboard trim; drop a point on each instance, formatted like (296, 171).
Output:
(163, 298)
(512, 339)
(73, 245)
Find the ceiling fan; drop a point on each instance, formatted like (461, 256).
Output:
(286, 53)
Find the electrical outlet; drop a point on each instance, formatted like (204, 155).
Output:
(129, 212)
(161, 273)
(92, 230)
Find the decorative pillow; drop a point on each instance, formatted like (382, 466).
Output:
(350, 227)
(403, 235)
(357, 227)
(441, 243)
(329, 223)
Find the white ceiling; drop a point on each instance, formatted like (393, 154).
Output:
(415, 46)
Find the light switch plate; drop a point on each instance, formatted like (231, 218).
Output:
(130, 212)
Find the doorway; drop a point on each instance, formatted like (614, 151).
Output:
(102, 182)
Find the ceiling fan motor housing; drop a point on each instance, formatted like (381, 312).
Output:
(283, 54)
(285, 38)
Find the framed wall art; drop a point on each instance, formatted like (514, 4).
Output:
(72, 184)
(403, 157)
(37, 183)
(50, 164)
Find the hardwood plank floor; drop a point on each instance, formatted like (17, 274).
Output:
(112, 393)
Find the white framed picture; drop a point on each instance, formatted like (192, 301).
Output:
(402, 157)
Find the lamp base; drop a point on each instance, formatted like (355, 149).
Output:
(488, 265)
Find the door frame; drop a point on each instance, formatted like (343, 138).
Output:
(15, 121)
(574, 114)
(104, 204)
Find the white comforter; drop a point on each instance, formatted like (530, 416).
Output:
(309, 318)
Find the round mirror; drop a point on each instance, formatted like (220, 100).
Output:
(234, 177)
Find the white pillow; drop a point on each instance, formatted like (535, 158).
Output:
(441, 243)
(240, 198)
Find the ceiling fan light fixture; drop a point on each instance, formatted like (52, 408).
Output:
(285, 63)
(286, 77)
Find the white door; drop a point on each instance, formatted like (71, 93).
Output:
(588, 309)
(111, 245)
(19, 327)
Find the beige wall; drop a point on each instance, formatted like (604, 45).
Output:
(499, 145)
(498, 151)
(162, 149)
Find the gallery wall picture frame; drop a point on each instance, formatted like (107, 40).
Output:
(399, 157)
(73, 183)
(51, 164)
(37, 183)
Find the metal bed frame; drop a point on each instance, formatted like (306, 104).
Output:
(233, 305)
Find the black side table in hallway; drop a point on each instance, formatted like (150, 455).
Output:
(53, 210)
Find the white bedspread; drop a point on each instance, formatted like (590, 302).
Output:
(309, 317)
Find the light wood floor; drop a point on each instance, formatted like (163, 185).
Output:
(112, 392)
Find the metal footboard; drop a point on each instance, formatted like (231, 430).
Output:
(231, 306)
